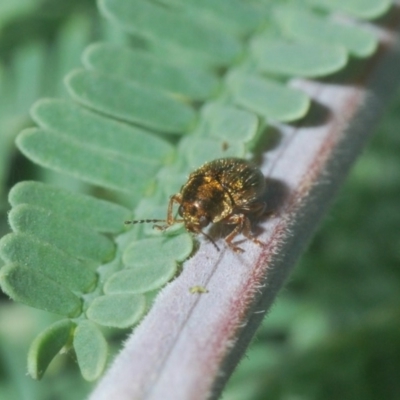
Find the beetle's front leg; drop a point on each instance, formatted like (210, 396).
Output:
(176, 198)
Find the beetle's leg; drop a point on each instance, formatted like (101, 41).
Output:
(242, 226)
(248, 233)
(238, 220)
(176, 198)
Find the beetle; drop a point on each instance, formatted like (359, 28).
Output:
(226, 191)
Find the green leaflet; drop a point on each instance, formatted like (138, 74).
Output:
(269, 99)
(198, 150)
(228, 123)
(297, 59)
(145, 269)
(144, 252)
(117, 310)
(302, 25)
(100, 133)
(129, 101)
(28, 286)
(233, 15)
(98, 167)
(224, 131)
(91, 350)
(142, 67)
(47, 345)
(74, 238)
(367, 9)
(177, 29)
(27, 250)
(142, 279)
(99, 215)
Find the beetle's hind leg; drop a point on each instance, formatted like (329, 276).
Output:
(243, 226)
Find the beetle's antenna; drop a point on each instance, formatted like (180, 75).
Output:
(211, 240)
(144, 221)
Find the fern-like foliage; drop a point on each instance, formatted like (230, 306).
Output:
(204, 80)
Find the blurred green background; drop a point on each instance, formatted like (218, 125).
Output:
(334, 332)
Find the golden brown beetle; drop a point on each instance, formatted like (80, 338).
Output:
(225, 191)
